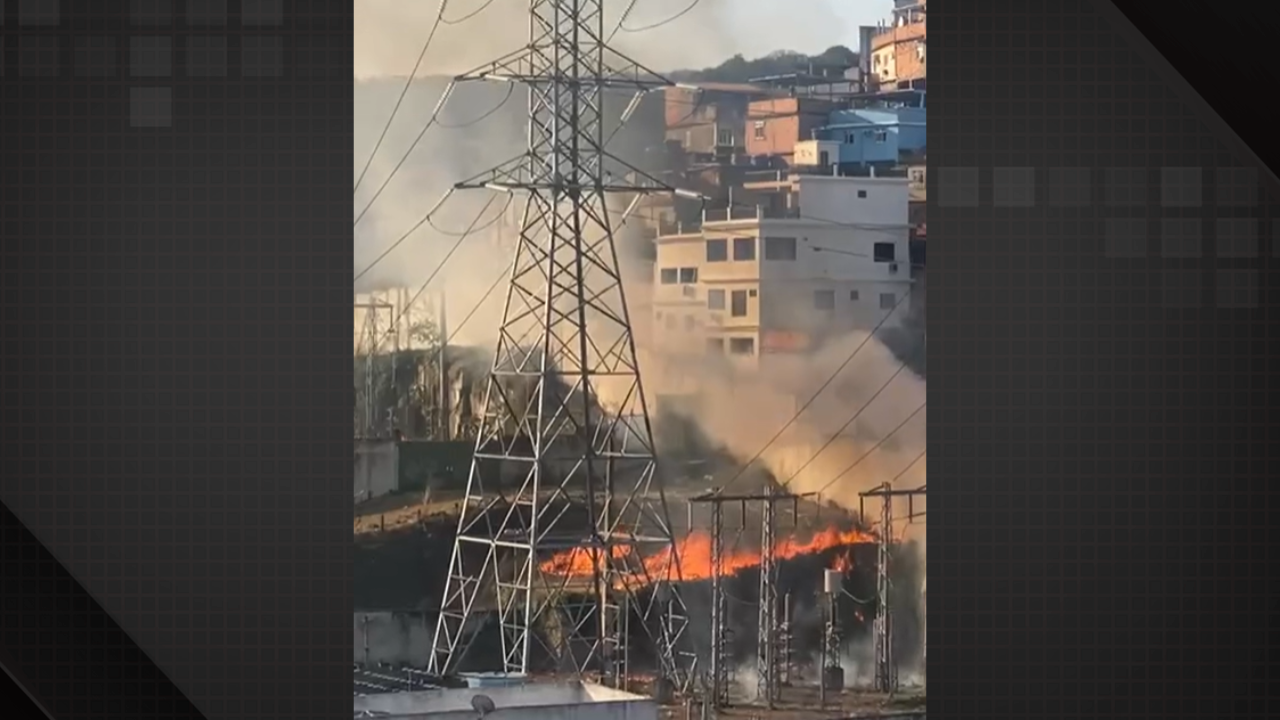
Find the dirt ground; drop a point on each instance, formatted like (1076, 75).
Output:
(390, 513)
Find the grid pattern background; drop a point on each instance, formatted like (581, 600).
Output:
(1097, 291)
(176, 278)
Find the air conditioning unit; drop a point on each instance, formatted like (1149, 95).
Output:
(893, 268)
(689, 291)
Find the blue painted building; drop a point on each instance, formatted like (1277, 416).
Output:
(875, 136)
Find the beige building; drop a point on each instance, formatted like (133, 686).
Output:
(898, 58)
(808, 257)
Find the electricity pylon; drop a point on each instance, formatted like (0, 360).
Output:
(564, 463)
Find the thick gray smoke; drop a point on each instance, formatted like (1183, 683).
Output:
(389, 33)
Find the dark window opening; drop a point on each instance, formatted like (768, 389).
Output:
(668, 276)
(780, 248)
(744, 248)
(738, 303)
(758, 129)
(854, 296)
(742, 346)
(688, 275)
(717, 251)
(885, 252)
(862, 194)
(715, 300)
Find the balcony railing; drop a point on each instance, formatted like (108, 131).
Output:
(740, 213)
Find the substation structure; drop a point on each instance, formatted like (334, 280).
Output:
(886, 666)
(566, 334)
(774, 658)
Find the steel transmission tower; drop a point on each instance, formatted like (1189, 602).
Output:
(564, 461)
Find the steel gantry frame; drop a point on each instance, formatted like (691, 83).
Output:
(773, 650)
(886, 666)
(565, 416)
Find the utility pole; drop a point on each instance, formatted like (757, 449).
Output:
(565, 342)
(444, 425)
(773, 639)
(886, 667)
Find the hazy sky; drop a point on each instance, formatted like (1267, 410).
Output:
(389, 33)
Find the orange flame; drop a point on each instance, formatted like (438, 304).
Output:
(695, 556)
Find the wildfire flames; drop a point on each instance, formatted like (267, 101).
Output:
(695, 557)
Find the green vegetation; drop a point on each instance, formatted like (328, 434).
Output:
(738, 69)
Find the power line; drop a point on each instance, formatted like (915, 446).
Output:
(469, 15)
(457, 243)
(872, 449)
(435, 115)
(658, 24)
(408, 82)
(422, 221)
(747, 465)
(836, 435)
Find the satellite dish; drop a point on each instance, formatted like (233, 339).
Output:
(483, 705)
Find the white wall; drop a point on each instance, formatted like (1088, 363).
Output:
(384, 637)
(536, 701)
(836, 199)
(377, 469)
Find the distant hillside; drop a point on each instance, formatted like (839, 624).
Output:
(738, 69)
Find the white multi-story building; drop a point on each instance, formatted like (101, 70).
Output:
(804, 258)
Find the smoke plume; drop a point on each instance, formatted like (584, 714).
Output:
(389, 33)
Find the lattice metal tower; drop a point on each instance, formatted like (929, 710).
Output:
(766, 663)
(886, 667)
(565, 415)
(369, 348)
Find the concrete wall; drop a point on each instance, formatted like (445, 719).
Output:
(387, 637)
(534, 701)
(377, 469)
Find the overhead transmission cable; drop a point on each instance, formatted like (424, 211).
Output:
(840, 431)
(652, 26)
(747, 465)
(432, 120)
(469, 15)
(440, 266)
(408, 82)
(873, 448)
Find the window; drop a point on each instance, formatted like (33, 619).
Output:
(724, 137)
(887, 301)
(744, 248)
(780, 249)
(688, 275)
(717, 251)
(854, 296)
(824, 299)
(884, 252)
(881, 136)
(862, 194)
(851, 138)
(742, 346)
(738, 303)
(758, 129)
(824, 159)
(668, 276)
(715, 346)
(715, 300)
